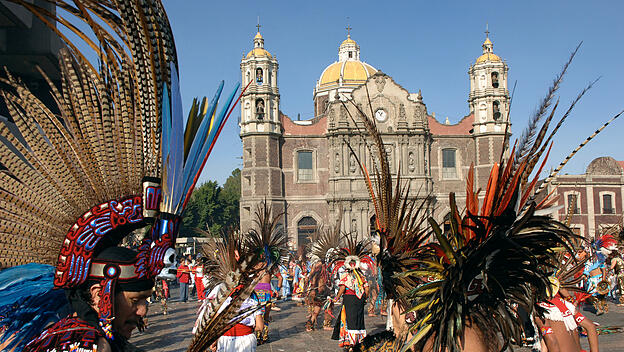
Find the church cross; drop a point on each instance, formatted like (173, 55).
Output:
(487, 31)
(348, 28)
(258, 25)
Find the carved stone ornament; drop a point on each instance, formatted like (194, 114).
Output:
(380, 81)
(401, 112)
(337, 163)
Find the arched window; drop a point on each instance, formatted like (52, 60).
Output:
(305, 228)
(259, 109)
(449, 164)
(305, 172)
(495, 79)
(496, 110)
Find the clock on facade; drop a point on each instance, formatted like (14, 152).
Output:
(381, 115)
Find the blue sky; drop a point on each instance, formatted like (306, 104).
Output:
(423, 45)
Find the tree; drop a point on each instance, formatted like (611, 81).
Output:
(212, 207)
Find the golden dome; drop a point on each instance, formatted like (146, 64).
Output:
(488, 57)
(352, 73)
(258, 52)
(348, 41)
(258, 36)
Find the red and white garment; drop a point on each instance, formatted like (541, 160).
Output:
(558, 309)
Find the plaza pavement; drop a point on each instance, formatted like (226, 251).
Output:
(172, 332)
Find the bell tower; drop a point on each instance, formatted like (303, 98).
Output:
(489, 103)
(489, 97)
(260, 132)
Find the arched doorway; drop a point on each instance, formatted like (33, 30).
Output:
(373, 225)
(305, 227)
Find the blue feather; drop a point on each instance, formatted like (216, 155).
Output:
(194, 168)
(29, 303)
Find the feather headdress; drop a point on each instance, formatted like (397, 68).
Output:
(266, 239)
(234, 273)
(497, 256)
(115, 158)
(326, 241)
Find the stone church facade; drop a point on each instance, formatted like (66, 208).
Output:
(308, 169)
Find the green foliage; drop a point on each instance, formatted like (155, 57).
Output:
(212, 207)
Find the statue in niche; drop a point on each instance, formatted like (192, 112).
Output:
(259, 75)
(337, 163)
(352, 164)
(411, 162)
(389, 153)
(260, 109)
(354, 226)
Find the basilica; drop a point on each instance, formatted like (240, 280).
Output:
(308, 170)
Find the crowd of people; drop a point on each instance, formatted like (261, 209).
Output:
(110, 155)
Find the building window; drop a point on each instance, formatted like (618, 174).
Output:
(304, 166)
(449, 164)
(495, 79)
(607, 204)
(496, 110)
(305, 228)
(573, 203)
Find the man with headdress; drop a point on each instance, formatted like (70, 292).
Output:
(114, 159)
(596, 273)
(129, 307)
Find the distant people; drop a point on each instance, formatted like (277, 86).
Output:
(184, 277)
(199, 282)
(161, 290)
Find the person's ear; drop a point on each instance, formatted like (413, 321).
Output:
(95, 295)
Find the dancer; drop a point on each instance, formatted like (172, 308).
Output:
(325, 244)
(596, 273)
(353, 288)
(161, 291)
(104, 159)
(267, 235)
(617, 266)
(222, 258)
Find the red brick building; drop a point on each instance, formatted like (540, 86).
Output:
(595, 197)
(307, 169)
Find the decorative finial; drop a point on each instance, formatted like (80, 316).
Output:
(258, 25)
(487, 31)
(348, 28)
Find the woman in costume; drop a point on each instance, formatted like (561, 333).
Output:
(353, 288)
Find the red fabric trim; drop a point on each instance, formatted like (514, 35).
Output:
(239, 330)
(349, 291)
